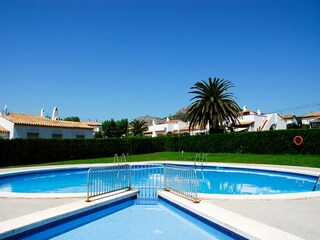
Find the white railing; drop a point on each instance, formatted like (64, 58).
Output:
(182, 181)
(148, 178)
(102, 180)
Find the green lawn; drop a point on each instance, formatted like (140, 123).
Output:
(295, 160)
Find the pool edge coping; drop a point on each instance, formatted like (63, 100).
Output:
(243, 226)
(277, 168)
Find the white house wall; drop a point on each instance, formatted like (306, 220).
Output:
(307, 120)
(281, 123)
(271, 120)
(7, 125)
(22, 131)
(258, 121)
(162, 129)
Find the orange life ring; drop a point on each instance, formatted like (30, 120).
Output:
(298, 140)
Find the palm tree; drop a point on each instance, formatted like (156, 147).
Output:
(138, 127)
(212, 104)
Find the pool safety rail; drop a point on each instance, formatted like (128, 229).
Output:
(147, 178)
(182, 181)
(102, 180)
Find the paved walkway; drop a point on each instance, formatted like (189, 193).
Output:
(298, 217)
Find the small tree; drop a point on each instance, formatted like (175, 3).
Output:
(112, 128)
(72, 119)
(98, 135)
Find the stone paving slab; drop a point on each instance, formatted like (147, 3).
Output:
(298, 217)
(17, 207)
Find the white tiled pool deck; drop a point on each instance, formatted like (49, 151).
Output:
(284, 217)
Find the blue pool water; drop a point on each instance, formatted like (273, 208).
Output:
(212, 180)
(128, 220)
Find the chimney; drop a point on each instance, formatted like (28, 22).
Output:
(42, 113)
(55, 114)
(245, 108)
(259, 112)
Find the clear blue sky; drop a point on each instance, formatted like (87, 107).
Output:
(123, 59)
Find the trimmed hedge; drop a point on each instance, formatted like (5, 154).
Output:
(266, 142)
(34, 151)
(31, 151)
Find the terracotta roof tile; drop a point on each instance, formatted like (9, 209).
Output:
(4, 130)
(35, 120)
(186, 128)
(93, 123)
(312, 114)
(288, 116)
(172, 121)
(244, 123)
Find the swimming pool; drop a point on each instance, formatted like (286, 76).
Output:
(128, 219)
(212, 180)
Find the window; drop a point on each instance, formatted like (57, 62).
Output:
(80, 136)
(32, 135)
(57, 135)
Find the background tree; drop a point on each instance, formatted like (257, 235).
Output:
(138, 127)
(213, 105)
(72, 119)
(98, 135)
(112, 128)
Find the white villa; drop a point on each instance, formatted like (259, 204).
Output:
(315, 123)
(172, 126)
(307, 118)
(248, 122)
(18, 125)
(290, 119)
(251, 121)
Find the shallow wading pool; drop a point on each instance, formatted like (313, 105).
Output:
(129, 219)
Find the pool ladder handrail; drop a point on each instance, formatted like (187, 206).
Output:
(201, 160)
(316, 184)
(122, 159)
(115, 159)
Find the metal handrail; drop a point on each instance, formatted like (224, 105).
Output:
(199, 159)
(316, 184)
(204, 157)
(115, 159)
(123, 158)
(102, 180)
(147, 178)
(182, 181)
